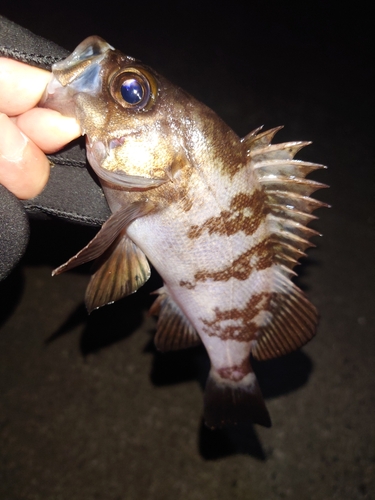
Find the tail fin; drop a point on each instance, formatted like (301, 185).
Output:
(228, 402)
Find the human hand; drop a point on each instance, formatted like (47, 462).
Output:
(27, 132)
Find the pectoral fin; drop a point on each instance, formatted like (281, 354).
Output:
(106, 236)
(119, 271)
(174, 330)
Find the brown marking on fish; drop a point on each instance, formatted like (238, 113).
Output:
(188, 284)
(246, 329)
(241, 268)
(235, 372)
(186, 203)
(232, 221)
(265, 254)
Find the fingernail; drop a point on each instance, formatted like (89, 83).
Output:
(12, 141)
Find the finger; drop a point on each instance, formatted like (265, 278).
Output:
(21, 85)
(24, 169)
(48, 129)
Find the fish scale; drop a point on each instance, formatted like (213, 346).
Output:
(222, 219)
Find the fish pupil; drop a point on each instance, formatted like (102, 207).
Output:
(132, 91)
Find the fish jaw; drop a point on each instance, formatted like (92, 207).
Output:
(78, 73)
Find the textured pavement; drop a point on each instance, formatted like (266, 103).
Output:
(88, 409)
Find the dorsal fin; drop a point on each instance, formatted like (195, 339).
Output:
(253, 140)
(174, 330)
(292, 318)
(287, 192)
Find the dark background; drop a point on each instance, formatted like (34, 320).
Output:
(88, 409)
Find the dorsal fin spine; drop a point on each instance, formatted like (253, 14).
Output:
(255, 141)
(287, 194)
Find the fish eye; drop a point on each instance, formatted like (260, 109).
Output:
(132, 91)
(134, 88)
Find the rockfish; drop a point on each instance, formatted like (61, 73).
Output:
(222, 219)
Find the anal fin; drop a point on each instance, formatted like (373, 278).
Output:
(229, 402)
(174, 330)
(120, 271)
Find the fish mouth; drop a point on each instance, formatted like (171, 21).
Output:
(79, 72)
(90, 52)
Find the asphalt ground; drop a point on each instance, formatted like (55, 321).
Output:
(88, 408)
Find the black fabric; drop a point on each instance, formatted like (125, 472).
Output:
(22, 45)
(14, 231)
(72, 192)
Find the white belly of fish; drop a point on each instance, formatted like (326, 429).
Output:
(197, 271)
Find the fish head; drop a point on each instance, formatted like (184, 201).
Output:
(131, 115)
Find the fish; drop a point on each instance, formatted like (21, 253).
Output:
(223, 220)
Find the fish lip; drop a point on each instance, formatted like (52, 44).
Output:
(81, 68)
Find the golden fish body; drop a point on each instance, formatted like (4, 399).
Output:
(222, 219)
